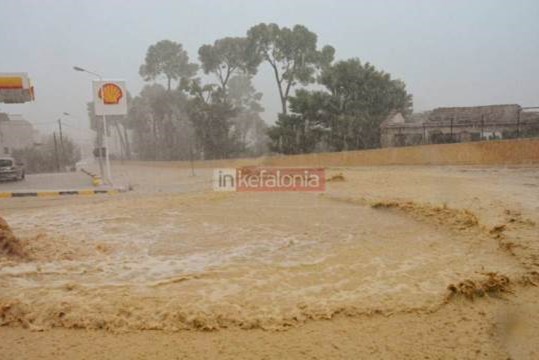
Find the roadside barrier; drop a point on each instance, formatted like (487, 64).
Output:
(15, 194)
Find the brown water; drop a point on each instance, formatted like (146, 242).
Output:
(208, 261)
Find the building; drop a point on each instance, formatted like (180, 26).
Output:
(459, 124)
(15, 133)
(15, 88)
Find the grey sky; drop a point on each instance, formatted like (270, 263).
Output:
(447, 52)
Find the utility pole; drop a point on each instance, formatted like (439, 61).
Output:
(451, 131)
(518, 122)
(56, 152)
(191, 157)
(62, 150)
(154, 130)
(482, 126)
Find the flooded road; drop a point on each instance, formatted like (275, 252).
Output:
(273, 261)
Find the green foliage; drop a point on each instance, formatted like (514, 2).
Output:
(193, 121)
(361, 98)
(226, 125)
(211, 120)
(291, 53)
(294, 134)
(250, 131)
(44, 158)
(345, 117)
(226, 57)
(160, 123)
(167, 58)
(219, 120)
(248, 126)
(361, 89)
(242, 94)
(302, 131)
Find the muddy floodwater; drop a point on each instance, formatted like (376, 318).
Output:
(398, 243)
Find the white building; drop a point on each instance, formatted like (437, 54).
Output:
(15, 133)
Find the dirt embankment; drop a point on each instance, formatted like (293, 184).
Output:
(503, 152)
(10, 245)
(490, 283)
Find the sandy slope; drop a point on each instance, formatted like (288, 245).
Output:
(343, 278)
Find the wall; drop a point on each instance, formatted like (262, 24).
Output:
(15, 134)
(503, 152)
(474, 114)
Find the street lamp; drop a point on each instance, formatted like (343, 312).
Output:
(76, 68)
(107, 160)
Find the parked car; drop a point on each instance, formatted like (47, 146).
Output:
(11, 169)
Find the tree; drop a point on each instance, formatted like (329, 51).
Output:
(227, 57)
(346, 116)
(46, 157)
(291, 53)
(361, 98)
(301, 131)
(159, 116)
(243, 94)
(293, 134)
(211, 120)
(160, 124)
(249, 127)
(361, 88)
(167, 58)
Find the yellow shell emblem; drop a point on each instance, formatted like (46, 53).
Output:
(112, 94)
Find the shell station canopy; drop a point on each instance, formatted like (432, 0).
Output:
(15, 88)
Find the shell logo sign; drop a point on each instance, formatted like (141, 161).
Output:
(110, 97)
(112, 94)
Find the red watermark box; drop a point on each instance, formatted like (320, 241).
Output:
(268, 179)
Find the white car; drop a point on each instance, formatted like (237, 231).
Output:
(11, 169)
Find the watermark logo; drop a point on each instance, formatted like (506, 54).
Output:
(224, 179)
(269, 179)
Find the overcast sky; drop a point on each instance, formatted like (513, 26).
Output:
(449, 53)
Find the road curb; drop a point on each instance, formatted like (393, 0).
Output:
(13, 194)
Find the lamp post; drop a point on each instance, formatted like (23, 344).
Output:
(107, 160)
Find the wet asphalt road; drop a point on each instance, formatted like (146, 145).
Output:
(53, 181)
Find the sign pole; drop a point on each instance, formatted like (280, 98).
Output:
(105, 133)
(107, 160)
(99, 146)
(112, 102)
